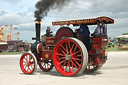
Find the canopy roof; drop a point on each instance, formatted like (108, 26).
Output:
(91, 21)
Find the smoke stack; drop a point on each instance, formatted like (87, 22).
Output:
(37, 29)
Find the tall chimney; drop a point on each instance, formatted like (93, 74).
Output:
(37, 29)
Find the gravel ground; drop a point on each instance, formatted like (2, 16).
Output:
(114, 72)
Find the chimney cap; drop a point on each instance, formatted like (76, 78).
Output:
(38, 21)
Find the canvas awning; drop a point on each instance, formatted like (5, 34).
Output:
(122, 36)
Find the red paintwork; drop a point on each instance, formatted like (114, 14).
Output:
(98, 45)
(49, 53)
(50, 41)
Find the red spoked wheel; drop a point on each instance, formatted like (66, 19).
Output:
(70, 57)
(46, 65)
(28, 63)
(92, 68)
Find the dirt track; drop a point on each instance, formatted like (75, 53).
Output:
(114, 72)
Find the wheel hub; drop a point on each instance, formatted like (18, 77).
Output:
(68, 57)
(27, 64)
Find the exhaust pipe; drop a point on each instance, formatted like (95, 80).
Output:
(37, 38)
(37, 29)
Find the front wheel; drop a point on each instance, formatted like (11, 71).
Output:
(70, 57)
(28, 63)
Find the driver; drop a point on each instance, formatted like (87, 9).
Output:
(100, 29)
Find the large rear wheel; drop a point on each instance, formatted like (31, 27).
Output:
(28, 63)
(70, 57)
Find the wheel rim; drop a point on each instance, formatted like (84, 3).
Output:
(46, 65)
(27, 63)
(68, 57)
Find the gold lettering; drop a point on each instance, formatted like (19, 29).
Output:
(91, 20)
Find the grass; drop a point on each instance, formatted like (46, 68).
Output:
(10, 53)
(114, 49)
(109, 49)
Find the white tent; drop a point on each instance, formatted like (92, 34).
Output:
(122, 36)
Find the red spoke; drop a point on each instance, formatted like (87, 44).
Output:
(75, 48)
(74, 64)
(69, 68)
(62, 58)
(66, 48)
(61, 62)
(72, 47)
(25, 67)
(63, 52)
(63, 47)
(66, 68)
(69, 44)
(76, 52)
(72, 68)
(77, 63)
(77, 55)
(64, 64)
(60, 54)
(77, 59)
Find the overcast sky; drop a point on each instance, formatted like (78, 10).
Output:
(20, 13)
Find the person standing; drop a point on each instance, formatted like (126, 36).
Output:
(83, 35)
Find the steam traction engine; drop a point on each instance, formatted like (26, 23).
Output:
(65, 51)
